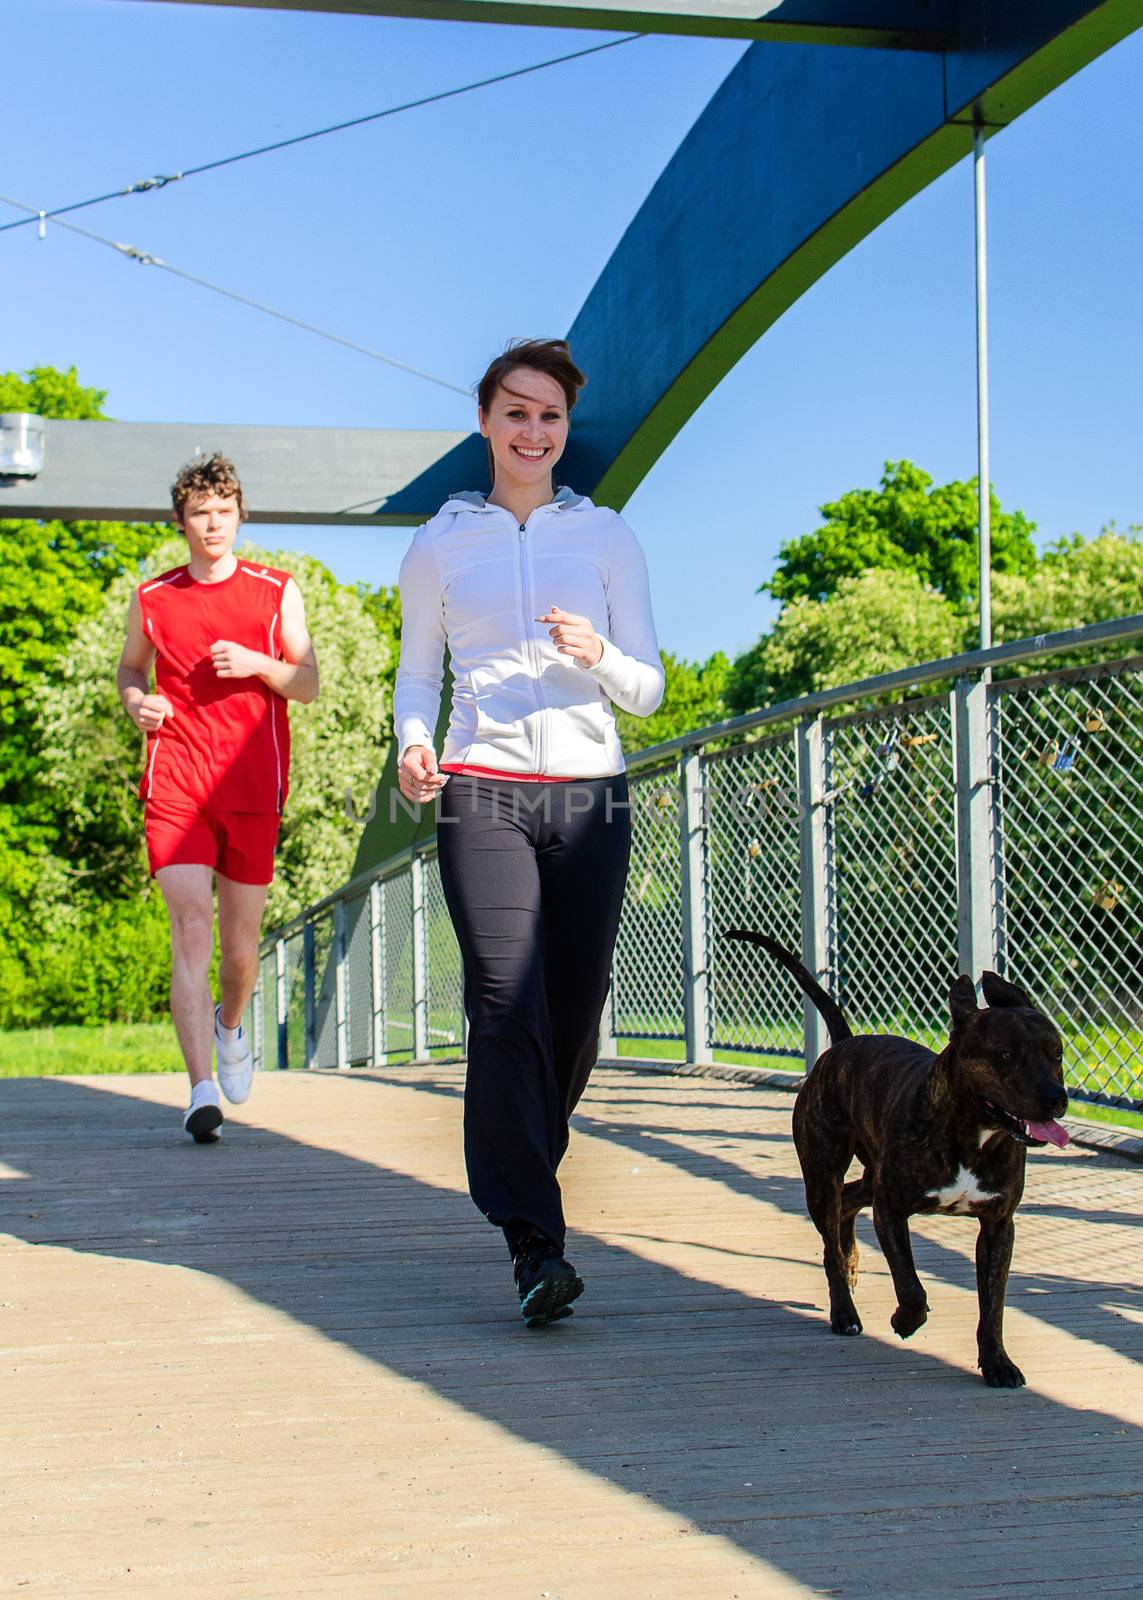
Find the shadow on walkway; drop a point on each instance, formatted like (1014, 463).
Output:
(831, 1459)
(1042, 1294)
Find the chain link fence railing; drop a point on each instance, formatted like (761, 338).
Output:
(894, 863)
(996, 824)
(1071, 755)
(750, 795)
(445, 979)
(647, 972)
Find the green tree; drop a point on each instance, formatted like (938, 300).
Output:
(383, 604)
(48, 392)
(694, 696)
(1077, 582)
(873, 623)
(883, 620)
(904, 525)
(54, 575)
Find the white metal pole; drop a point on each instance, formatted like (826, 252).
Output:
(983, 470)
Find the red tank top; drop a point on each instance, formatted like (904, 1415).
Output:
(228, 743)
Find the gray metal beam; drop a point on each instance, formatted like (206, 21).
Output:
(102, 471)
(875, 24)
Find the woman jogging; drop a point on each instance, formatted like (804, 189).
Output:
(542, 599)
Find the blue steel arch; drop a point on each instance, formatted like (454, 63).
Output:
(801, 153)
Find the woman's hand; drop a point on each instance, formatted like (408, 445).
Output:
(417, 776)
(574, 636)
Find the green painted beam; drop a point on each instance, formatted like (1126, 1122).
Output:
(871, 24)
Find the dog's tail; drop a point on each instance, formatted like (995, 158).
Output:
(839, 1028)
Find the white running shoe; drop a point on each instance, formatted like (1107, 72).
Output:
(235, 1063)
(203, 1119)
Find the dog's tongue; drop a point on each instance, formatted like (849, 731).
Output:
(1050, 1132)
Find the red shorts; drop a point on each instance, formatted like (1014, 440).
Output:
(237, 844)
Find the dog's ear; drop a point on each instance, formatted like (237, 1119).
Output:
(962, 1001)
(999, 993)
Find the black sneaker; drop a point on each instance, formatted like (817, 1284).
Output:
(203, 1118)
(546, 1283)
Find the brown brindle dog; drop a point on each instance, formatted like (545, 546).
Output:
(943, 1132)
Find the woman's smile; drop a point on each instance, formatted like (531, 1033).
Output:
(526, 425)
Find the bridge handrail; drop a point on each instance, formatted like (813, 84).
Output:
(967, 662)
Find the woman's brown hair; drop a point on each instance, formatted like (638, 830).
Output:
(549, 356)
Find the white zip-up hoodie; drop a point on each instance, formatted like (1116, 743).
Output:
(476, 579)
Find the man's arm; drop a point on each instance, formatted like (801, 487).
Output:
(296, 676)
(133, 678)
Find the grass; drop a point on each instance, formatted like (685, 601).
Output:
(150, 1047)
(113, 1047)
(1115, 1115)
(672, 1050)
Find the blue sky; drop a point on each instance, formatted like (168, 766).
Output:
(436, 235)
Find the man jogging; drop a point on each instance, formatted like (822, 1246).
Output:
(229, 645)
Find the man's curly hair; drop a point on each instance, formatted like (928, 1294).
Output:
(214, 474)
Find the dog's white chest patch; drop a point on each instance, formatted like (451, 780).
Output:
(962, 1193)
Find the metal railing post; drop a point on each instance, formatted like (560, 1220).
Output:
(976, 876)
(377, 973)
(420, 962)
(309, 1011)
(696, 955)
(256, 1021)
(814, 875)
(341, 1009)
(607, 1046)
(280, 1003)
(983, 472)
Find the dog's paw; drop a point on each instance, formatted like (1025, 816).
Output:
(1000, 1373)
(907, 1319)
(847, 1323)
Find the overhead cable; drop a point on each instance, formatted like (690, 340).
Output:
(161, 180)
(146, 259)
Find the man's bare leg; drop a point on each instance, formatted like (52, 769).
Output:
(240, 908)
(187, 892)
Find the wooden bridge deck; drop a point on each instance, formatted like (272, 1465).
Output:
(291, 1364)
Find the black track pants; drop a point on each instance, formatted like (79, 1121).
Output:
(533, 875)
